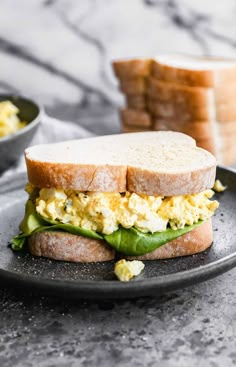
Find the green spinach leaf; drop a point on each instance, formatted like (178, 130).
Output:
(133, 242)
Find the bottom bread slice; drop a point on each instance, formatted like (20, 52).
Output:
(198, 240)
(69, 247)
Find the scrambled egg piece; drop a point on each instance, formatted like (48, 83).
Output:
(104, 212)
(218, 186)
(126, 270)
(9, 121)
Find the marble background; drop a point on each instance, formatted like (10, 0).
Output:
(59, 51)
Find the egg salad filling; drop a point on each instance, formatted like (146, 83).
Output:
(106, 212)
(9, 121)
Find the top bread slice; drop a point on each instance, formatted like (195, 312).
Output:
(152, 163)
(194, 71)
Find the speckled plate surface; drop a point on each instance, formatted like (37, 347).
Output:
(97, 280)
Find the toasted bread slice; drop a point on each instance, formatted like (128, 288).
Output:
(131, 68)
(69, 247)
(136, 101)
(198, 240)
(194, 71)
(131, 117)
(152, 163)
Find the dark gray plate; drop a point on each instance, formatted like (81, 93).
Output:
(96, 280)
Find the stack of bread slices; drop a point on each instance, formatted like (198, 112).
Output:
(189, 94)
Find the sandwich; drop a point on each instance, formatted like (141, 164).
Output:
(140, 195)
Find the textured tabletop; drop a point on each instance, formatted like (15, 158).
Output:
(191, 327)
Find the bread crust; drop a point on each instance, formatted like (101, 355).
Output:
(194, 77)
(131, 117)
(198, 102)
(131, 68)
(226, 113)
(134, 86)
(198, 240)
(184, 112)
(136, 101)
(226, 153)
(133, 129)
(76, 176)
(225, 94)
(195, 129)
(190, 112)
(229, 156)
(198, 130)
(69, 247)
(143, 181)
(177, 93)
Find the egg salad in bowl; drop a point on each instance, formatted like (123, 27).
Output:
(20, 118)
(9, 120)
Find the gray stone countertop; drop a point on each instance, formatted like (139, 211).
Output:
(190, 327)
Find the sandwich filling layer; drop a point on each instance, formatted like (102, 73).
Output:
(105, 212)
(133, 224)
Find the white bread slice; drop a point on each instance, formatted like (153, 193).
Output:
(218, 138)
(136, 101)
(131, 117)
(194, 71)
(225, 152)
(69, 247)
(197, 129)
(195, 241)
(180, 93)
(191, 112)
(134, 86)
(152, 163)
(131, 68)
(228, 156)
(185, 112)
